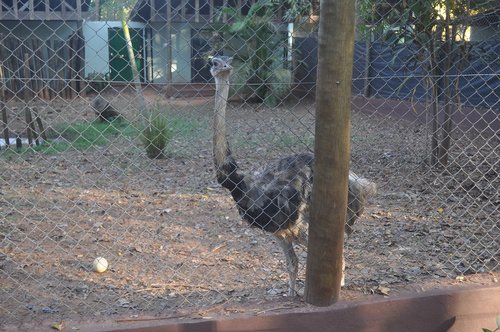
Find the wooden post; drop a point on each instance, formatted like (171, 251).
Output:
(331, 167)
(29, 132)
(6, 135)
(31, 125)
(73, 65)
(80, 56)
(52, 71)
(3, 109)
(367, 90)
(30, 128)
(39, 122)
(2, 86)
(19, 143)
(26, 79)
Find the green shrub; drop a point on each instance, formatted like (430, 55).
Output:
(156, 135)
(498, 326)
(86, 135)
(280, 88)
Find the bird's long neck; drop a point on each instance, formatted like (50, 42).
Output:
(226, 166)
(221, 146)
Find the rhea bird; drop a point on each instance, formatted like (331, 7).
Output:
(275, 199)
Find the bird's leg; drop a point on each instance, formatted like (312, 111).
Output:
(342, 281)
(292, 264)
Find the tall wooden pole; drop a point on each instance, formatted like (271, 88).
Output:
(331, 168)
(3, 110)
(141, 101)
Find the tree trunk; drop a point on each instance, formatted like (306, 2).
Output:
(368, 66)
(5, 122)
(3, 110)
(435, 122)
(435, 74)
(447, 90)
(331, 167)
(141, 102)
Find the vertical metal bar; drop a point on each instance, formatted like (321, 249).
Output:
(97, 9)
(79, 9)
(211, 11)
(197, 11)
(183, 10)
(31, 8)
(16, 9)
(169, 46)
(224, 16)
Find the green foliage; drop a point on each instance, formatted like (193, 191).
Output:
(280, 87)
(83, 136)
(297, 10)
(156, 135)
(436, 28)
(420, 21)
(77, 135)
(497, 328)
(260, 49)
(115, 10)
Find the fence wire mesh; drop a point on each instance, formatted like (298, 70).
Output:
(106, 151)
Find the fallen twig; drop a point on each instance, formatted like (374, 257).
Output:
(275, 309)
(167, 286)
(129, 320)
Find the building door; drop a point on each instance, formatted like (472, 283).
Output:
(119, 63)
(200, 69)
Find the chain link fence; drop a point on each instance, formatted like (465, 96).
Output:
(102, 156)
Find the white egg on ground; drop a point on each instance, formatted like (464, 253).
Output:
(100, 265)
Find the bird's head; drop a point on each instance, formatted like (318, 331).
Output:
(221, 67)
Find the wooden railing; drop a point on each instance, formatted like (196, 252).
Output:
(47, 10)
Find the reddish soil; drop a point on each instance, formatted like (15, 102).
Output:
(176, 245)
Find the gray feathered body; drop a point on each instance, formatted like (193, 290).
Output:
(275, 199)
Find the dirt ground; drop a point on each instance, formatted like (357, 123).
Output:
(176, 245)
